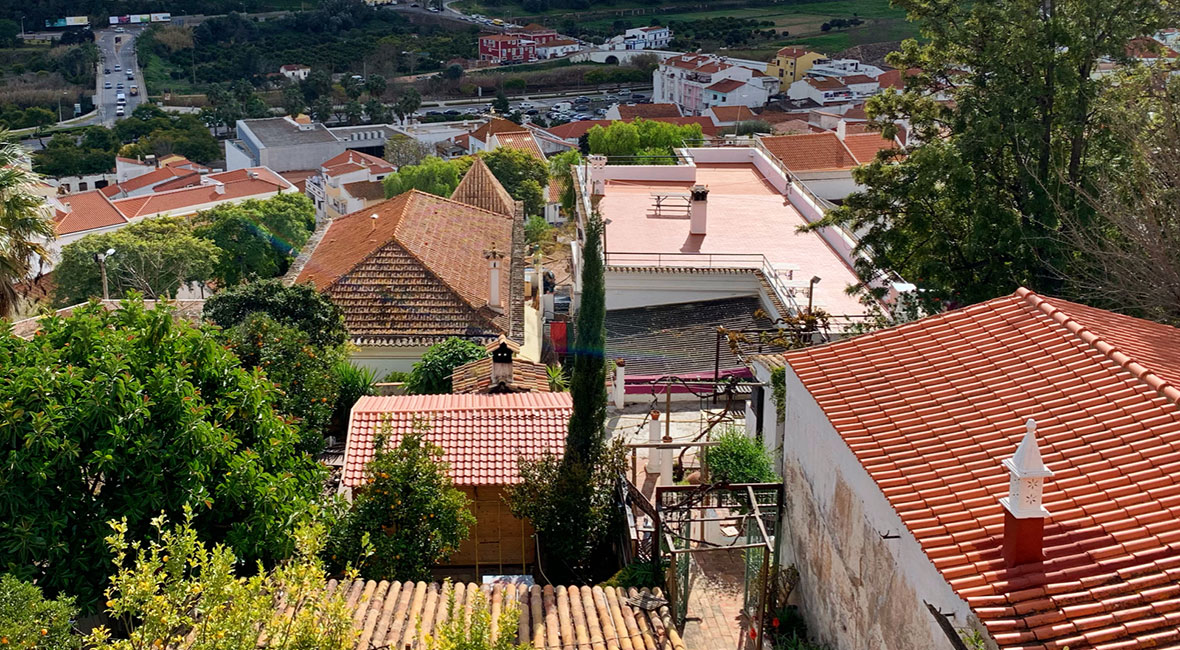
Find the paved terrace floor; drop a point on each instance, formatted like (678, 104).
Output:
(746, 215)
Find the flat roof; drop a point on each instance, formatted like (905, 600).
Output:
(746, 215)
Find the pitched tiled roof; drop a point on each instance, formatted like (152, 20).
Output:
(155, 176)
(864, 146)
(238, 184)
(354, 160)
(87, 211)
(492, 127)
(476, 377)
(858, 79)
(931, 408)
(480, 188)
(522, 140)
(402, 614)
(726, 86)
(796, 126)
(367, 190)
(810, 151)
(733, 113)
(791, 52)
(416, 274)
(825, 83)
(482, 436)
(647, 111)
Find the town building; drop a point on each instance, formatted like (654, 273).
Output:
(695, 82)
(500, 372)
(1008, 469)
(822, 90)
(346, 183)
(725, 116)
(417, 269)
(824, 161)
(483, 437)
(653, 37)
(790, 64)
(294, 71)
(286, 144)
(557, 48)
(629, 112)
(507, 48)
(842, 68)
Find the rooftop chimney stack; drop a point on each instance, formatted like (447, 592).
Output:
(493, 257)
(1024, 516)
(219, 188)
(502, 366)
(697, 210)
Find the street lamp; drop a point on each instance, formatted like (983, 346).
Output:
(101, 260)
(811, 291)
(605, 223)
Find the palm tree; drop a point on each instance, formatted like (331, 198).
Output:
(25, 225)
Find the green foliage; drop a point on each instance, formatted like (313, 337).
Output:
(177, 591)
(561, 171)
(521, 174)
(154, 257)
(500, 103)
(396, 377)
(298, 305)
(408, 510)
(432, 374)
(24, 224)
(643, 137)
(787, 626)
(588, 375)
(752, 127)
(165, 414)
(639, 575)
(536, 229)
(258, 239)
(433, 176)
(778, 384)
(30, 620)
(355, 382)
(974, 210)
(186, 135)
(471, 629)
(306, 375)
(557, 379)
(739, 459)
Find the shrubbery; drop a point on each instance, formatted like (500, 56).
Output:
(739, 459)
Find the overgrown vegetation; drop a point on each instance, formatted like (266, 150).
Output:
(432, 373)
(30, 620)
(472, 627)
(36, 80)
(642, 142)
(738, 458)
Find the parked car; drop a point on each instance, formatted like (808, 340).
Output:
(451, 112)
(638, 97)
(106, 70)
(626, 92)
(434, 112)
(527, 105)
(119, 112)
(119, 30)
(107, 85)
(532, 111)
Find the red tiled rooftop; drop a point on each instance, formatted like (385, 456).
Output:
(354, 161)
(931, 408)
(733, 113)
(858, 79)
(87, 211)
(864, 146)
(825, 83)
(522, 140)
(238, 185)
(156, 176)
(482, 436)
(726, 86)
(746, 216)
(629, 112)
(792, 52)
(492, 127)
(810, 151)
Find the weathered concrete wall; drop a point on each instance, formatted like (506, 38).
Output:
(857, 590)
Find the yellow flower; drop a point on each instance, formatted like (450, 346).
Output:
(165, 558)
(110, 603)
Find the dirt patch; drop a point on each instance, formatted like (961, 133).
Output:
(870, 53)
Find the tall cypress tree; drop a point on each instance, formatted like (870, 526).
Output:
(585, 440)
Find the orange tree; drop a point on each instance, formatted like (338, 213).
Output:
(128, 413)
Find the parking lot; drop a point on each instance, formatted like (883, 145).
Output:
(590, 106)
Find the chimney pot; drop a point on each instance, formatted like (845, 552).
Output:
(1024, 516)
(493, 257)
(697, 210)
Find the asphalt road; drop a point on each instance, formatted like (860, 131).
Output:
(123, 55)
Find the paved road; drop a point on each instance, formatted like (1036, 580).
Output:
(123, 55)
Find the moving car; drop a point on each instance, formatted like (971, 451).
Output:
(119, 112)
(106, 70)
(107, 85)
(134, 90)
(119, 85)
(120, 97)
(130, 76)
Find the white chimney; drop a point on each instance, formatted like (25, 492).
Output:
(620, 383)
(697, 210)
(493, 257)
(219, 188)
(597, 174)
(841, 129)
(654, 436)
(1024, 516)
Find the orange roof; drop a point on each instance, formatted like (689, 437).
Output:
(298, 177)
(733, 113)
(810, 151)
(726, 86)
(155, 176)
(792, 52)
(480, 188)
(87, 211)
(931, 408)
(647, 111)
(350, 161)
(796, 126)
(367, 190)
(864, 146)
(492, 127)
(238, 184)
(824, 83)
(522, 140)
(895, 78)
(858, 79)
(476, 377)
(482, 436)
(575, 130)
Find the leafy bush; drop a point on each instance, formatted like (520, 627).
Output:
(396, 377)
(165, 414)
(432, 375)
(638, 575)
(176, 591)
(408, 512)
(536, 229)
(472, 630)
(739, 459)
(298, 305)
(355, 382)
(29, 620)
(258, 239)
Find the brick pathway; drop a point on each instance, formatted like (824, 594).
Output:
(714, 620)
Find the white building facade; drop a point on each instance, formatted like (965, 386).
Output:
(696, 82)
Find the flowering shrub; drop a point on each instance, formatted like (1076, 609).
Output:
(29, 621)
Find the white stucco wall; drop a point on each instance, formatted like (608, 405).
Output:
(627, 289)
(856, 590)
(383, 360)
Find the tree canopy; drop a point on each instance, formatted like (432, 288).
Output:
(522, 174)
(123, 414)
(298, 305)
(433, 175)
(24, 225)
(257, 239)
(651, 140)
(432, 374)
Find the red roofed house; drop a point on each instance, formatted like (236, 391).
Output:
(482, 437)
(628, 112)
(507, 48)
(348, 182)
(694, 82)
(1011, 468)
(824, 161)
(729, 115)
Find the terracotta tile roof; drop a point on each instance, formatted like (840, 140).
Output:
(732, 113)
(864, 146)
(238, 185)
(416, 274)
(895, 78)
(109, 190)
(560, 41)
(629, 112)
(522, 140)
(931, 408)
(188, 180)
(492, 127)
(575, 130)
(155, 176)
(367, 190)
(482, 436)
(810, 151)
(87, 211)
(480, 188)
(825, 83)
(402, 614)
(792, 52)
(534, 27)
(775, 117)
(299, 177)
(856, 113)
(726, 86)
(797, 126)
(476, 377)
(354, 161)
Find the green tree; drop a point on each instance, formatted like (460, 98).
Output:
(25, 224)
(407, 103)
(375, 85)
(257, 239)
(473, 628)
(154, 257)
(561, 171)
(317, 84)
(321, 109)
(522, 175)
(377, 112)
(588, 377)
(293, 102)
(1002, 106)
(9, 30)
(119, 414)
(403, 150)
(30, 620)
(40, 117)
(408, 509)
(433, 175)
(500, 103)
(353, 87)
(298, 305)
(354, 111)
(175, 590)
(643, 137)
(304, 373)
(737, 458)
(536, 229)
(432, 374)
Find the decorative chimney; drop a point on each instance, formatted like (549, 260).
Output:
(493, 257)
(697, 210)
(501, 366)
(597, 174)
(1024, 516)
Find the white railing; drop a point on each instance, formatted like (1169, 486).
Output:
(781, 277)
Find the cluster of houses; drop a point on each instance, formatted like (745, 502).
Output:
(526, 44)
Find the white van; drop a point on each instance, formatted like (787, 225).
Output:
(120, 97)
(562, 107)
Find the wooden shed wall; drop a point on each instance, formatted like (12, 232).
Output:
(499, 543)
